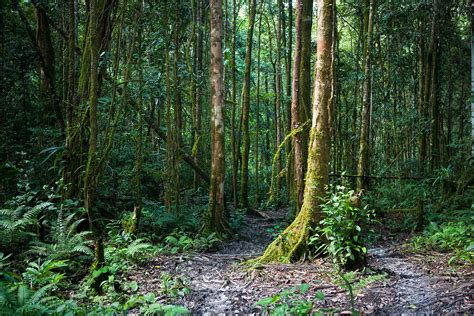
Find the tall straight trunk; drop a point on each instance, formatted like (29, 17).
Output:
(257, 111)
(296, 113)
(71, 67)
(198, 93)
(432, 96)
(137, 208)
(246, 107)
(305, 78)
(234, 106)
(169, 186)
(363, 161)
(177, 116)
(472, 86)
(288, 44)
(216, 220)
(278, 92)
(421, 101)
(294, 245)
(70, 174)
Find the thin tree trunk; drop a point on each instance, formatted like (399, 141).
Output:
(257, 111)
(246, 107)
(305, 78)
(363, 162)
(296, 112)
(198, 95)
(421, 101)
(288, 45)
(234, 106)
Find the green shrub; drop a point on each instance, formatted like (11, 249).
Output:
(341, 228)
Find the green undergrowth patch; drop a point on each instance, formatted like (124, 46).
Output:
(456, 238)
(292, 301)
(358, 280)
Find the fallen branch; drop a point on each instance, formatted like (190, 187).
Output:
(184, 155)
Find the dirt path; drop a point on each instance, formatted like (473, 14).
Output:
(219, 284)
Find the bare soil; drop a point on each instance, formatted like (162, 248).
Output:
(219, 283)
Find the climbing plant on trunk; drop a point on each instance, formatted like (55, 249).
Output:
(292, 244)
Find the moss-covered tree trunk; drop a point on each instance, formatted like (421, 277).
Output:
(216, 220)
(76, 146)
(98, 10)
(292, 243)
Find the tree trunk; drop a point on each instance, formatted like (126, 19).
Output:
(234, 106)
(288, 46)
(296, 113)
(305, 84)
(292, 243)
(94, 40)
(47, 93)
(363, 162)
(257, 112)
(246, 108)
(421, 101)
(432, 96)
(216, 220)
(198, 92)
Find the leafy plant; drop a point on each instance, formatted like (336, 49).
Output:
(291, 302)
(275, 231)
(173, 286)
(16, 222)
(182, 242)
(237, 218)
(65, 242)
(32, 293)
(342, 228)
(451, 236)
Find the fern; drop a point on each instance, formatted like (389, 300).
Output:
(15, 222)
(137, 248)
(66, 242)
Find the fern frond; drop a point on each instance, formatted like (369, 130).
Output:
(83, 249)
(39, 294)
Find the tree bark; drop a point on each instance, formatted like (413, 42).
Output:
(216, 220)
(246, 108)
(292, 243)
(234, 106)
(296, 113)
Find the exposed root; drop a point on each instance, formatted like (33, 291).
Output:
(291, 245)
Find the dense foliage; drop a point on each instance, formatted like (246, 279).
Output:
(123, 136)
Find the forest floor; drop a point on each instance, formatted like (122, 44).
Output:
(395, 281)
